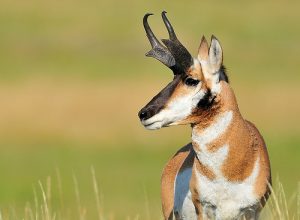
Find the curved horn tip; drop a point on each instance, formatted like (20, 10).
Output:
(169, 27)
(147, 15)
(163, 14)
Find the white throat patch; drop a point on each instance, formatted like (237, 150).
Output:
(213, 131)
(213, 160)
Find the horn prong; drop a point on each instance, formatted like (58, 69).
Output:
(182, 56)
(158, 51)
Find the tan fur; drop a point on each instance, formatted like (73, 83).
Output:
(181, 89)
(203, 49)
(264, 177)
(168, 178)
(245, 144)
(244, 140)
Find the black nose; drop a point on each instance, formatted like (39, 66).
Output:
(144, 114)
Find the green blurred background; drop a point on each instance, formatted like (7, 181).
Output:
(74, 76)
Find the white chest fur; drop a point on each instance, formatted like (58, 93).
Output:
(225, 199)
(220, 197)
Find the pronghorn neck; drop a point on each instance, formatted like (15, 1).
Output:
(224, 139)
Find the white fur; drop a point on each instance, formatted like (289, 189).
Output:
(183, 205)
(216, 86)
(176, 111)
(213, 131)
(228, 198)
(213, 77)
(223, 198)
(214, 160)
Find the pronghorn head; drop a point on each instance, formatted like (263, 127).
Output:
(196, 83)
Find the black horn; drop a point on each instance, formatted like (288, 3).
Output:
(183, 58)
(169, 27)
(158, 51)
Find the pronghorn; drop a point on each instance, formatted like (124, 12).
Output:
(224, 173)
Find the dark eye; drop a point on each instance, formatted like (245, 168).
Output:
(191, 82)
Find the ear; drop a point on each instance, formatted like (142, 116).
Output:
(203, 50)
(215, 54)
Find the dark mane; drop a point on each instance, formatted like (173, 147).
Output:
(223, 74)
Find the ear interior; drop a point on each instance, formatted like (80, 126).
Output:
(215, 54)
(203, 50)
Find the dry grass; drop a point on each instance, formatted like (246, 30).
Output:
(278, 206)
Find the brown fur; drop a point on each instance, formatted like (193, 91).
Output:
(181, 89)
(243, 141)
(168, 178)
(264, 177)
(246, 145)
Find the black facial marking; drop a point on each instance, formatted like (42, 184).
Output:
(191, 82)
(182, 57)
(207, 101)
(158, 102)
(223, 75)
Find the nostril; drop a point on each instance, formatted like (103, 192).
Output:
(143, 115)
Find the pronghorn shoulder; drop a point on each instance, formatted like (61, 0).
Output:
(258, 141)
(182, 160)
(261, 187)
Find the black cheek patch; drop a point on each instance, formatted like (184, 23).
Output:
(207, 101)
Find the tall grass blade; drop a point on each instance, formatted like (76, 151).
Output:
(48, 194)
(28, 212)
(36, 204)
(81, 211)
(276, 203)
(147, 204)
(45, 203)
(96, 191)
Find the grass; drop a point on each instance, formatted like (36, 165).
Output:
(279, 206)
(73, 124)
(128, 177)
(41, 208)
(73, 76)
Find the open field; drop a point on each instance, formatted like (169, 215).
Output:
(71, 126)
(73, 76)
